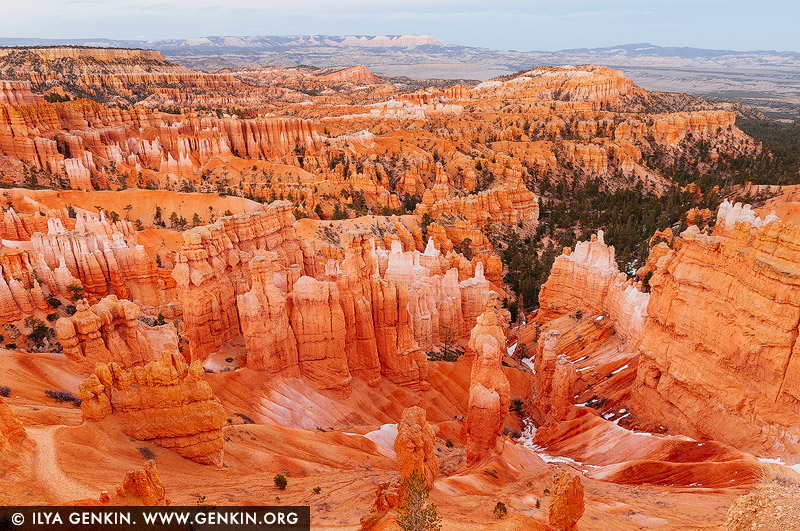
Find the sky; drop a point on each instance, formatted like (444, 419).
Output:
(499, 24)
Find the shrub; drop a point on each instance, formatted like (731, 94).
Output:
(39, 331)
(500, 510)
(70, 309)
(5, 391)
(52, 317)
(448, 443)
(245, 418)
(159, 320)
(447, 351)
(76, 292)
(516, 406)
(317, 490)
(465, 248)
(522, 352)
(414, 512)
(63, 396)
(53, 302)
(11, 346)
(280, 481)
(538, 503)
(147, 453)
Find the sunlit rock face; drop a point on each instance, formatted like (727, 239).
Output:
(719, 345)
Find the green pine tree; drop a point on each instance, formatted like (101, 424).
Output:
(415, 513)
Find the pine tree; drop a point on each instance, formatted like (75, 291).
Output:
(415, 514)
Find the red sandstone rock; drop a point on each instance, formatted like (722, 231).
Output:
(588, 279)
(414, 445)
(264, 317)
(718, 346)
(109, 331)
(319, 327)
(489, 392)
(142, 486)
(567, 506)
(387, 497)
(165, 401)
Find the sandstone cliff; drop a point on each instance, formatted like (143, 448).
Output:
(588, 279)
(722, 331)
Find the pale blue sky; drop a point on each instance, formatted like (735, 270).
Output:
(500, 24)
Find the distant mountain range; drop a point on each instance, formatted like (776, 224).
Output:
(765, 78)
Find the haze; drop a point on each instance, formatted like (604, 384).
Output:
(505, 24)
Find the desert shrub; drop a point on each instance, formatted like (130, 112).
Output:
(63, 396)
(53, 302)
(70, 309)
(5, 391)
(52, 317)
(317, 490)
(448, 350)
(522, 352)
(500, 510)
(465, 248)
(39, 331)
(280, 481)
(11, 346)
(147, 453)
(516, 406)
(245, 418)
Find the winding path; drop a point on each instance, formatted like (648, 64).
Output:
(51, 478)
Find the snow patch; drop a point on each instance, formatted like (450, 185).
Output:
(620, 369)
(384, 438)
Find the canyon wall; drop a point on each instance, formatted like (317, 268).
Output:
(720, 344)
(717, 332)
(213, 267)
(373, 314)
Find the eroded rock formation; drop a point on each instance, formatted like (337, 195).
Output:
(165, 401)
(142, 486)
(414, 445)
(567, 505)
(110, 331)
(588, 279)
(318, 321)
(489, 391)
(719, 346)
